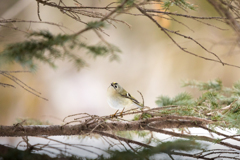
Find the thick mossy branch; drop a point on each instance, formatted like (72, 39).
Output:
(46, 47)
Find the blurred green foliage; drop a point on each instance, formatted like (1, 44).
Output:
(180, 3)
(216, 102)
(167, 148)
(45, 47)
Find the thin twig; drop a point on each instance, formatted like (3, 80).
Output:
(38, 11)
(123, 139)
(183, 49)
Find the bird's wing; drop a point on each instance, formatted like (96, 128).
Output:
(128, 95)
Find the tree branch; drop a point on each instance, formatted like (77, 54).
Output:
(229, 17)
(183, 49)
(204, 138)
(83, 128)
(122, 139)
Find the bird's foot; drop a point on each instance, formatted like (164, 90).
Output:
(122, 112)
(114, 115)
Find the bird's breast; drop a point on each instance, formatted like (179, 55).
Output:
(118, 102)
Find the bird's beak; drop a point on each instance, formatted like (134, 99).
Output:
(112, 84)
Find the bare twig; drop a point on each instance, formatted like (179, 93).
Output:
(183, 49)
(38, 11)
(142, 98)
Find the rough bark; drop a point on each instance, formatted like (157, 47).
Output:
(79, 129)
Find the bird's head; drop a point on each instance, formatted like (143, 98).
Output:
(115, 88)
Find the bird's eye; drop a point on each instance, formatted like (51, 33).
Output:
(128, 94)
(114, 85)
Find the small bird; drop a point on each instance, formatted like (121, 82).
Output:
(118, 98)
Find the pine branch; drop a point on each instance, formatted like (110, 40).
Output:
(46, 47)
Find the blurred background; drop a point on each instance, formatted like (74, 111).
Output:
(149, 62)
